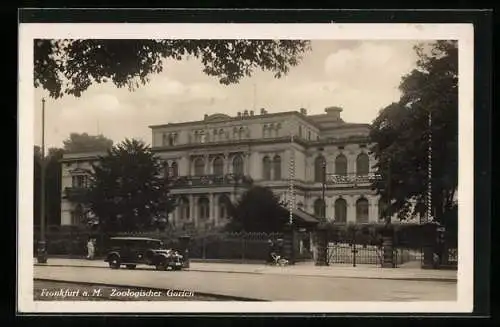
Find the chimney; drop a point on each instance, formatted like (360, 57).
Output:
(334, 112)
(303, 111)
(206, 116)
(263, 111)
(245, 114)
(251, 113)
(239, 114)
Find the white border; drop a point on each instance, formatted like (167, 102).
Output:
(461, 32)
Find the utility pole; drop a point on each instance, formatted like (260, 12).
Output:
(42, 250)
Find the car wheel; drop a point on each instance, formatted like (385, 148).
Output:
(114, 262)
(162, 265)
(131, 266)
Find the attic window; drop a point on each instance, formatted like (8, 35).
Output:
(341, 147)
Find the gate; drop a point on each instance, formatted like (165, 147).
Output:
(356, 254)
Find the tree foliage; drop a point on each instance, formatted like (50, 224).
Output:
(86, 143)
(71, 66)
(401, 131)
(258, 210)
(128, 188)
(52, 185)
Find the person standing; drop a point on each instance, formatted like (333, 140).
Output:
(90, 249)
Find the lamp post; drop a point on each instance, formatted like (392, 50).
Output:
(322, 238)
(42, 249)
(387, 238)
(289, 245)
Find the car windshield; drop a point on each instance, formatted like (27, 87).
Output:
(156, 245)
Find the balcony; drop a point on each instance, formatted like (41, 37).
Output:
(210, 181)
(351, 179)
(75, 194)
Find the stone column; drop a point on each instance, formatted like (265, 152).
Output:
(216, 209)
(351, 208)
(247, 163)
(373, 211)
(207, 164)
(192, 209)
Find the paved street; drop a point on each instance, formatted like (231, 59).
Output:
(301, 269)
(277, 286)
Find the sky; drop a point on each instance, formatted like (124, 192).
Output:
(362, 77)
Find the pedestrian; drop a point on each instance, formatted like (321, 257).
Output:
(90, 249)
(271, 251)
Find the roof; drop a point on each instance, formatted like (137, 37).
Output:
(302, 216)
(134, 238)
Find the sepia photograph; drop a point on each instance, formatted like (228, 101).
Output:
(317, 168)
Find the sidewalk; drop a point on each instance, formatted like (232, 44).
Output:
(301, 269)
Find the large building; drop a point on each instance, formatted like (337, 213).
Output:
(213, 160)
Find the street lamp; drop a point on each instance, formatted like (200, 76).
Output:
(42, 248)
(322, 259)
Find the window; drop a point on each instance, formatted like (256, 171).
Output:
(174, 169)
(319, 208)
(319, 168)
(223, 206)
(221, 134)
(184, 208)
(340, 211)
(309, 135)
(164, 139)
(264, 131)
(362, 164)
(79, 181)
(300, 206)
(199, 167)
(362, 210)
(277, 167)
(300, 131)
(203, 137)
(170, 140)
(204, 208)
(240, 133)
(266, 168)
(341, 165)
(218, 166)
(78, 215)
(238, 165)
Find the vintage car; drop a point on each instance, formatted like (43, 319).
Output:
(131, 251)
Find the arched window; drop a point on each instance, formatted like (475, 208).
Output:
(174, 169)
(240, 133)
(216, 135)
(199, 167)
(319, 208)
(264, 131)
(223, 206)
(238, 165)
(341, 165)
(382, 207)
(203, 208)
(319, 168)
(277, 167)
(221, 134)
(266, 168)
(184, 208)
(362, 164)
(362, 210)
(340, 211)
(218, 166)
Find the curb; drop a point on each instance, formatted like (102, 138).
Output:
(219, 296)
(416, 279)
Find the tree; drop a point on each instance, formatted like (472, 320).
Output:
(71, 66)
(128, 189)
(258, 210)
(400, 134)
(86, 143)
(52, 185)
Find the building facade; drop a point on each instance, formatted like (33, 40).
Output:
(214, 160)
